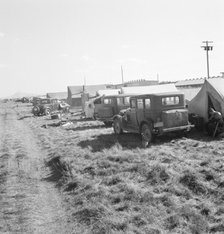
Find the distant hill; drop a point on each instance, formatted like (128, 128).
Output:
(22, 94)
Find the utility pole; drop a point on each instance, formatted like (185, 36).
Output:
(84, 84)
(207, 48)
(84, 79)
(122, 75)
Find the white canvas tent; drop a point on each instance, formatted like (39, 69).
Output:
(210, 95)
(151, 89)
(189, 93)
(89, 108)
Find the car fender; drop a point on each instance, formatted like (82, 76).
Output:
(117, 117)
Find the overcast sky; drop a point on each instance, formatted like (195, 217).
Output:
(46, 45)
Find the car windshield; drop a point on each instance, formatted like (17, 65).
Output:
(133, 103)
(44, 101)
(108, 101)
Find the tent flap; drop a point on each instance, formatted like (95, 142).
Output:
(210, 95)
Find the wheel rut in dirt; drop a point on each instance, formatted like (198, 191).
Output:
(29, 204)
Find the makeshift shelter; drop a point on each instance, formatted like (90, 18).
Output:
(58, 95)
(210, 95)
(151, 89)
(89, 104)
(74, 95)
(78, 95)
(89, 107)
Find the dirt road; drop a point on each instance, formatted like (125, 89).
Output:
(28, 203)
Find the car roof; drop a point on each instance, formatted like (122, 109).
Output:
(160, 94)
(119, 95)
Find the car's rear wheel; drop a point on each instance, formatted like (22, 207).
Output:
(117, 126)
(146, 135)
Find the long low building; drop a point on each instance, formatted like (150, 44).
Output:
(58, 95)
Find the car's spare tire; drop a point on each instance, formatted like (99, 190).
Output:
(47, 111)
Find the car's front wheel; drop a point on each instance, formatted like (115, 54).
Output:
(117, 126)
(35, 110)
(146, 135)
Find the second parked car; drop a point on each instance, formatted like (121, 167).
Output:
(107, 107)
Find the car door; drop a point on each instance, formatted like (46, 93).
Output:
(107, 108)
(147, 108)
(139, 110)
(132, 123)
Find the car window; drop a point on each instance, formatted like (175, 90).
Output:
(44, 101)
(174, 100)
(126, 100)
(147, 103)
(140, 103)
(97, 101)
(120, 101)
(107, 101)
(133, 103)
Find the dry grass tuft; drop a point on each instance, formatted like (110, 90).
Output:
(172, 222)
(112, 180)
(157, 175)
(71, 186)
(189, 180)
(90, 214)
(196, 222)
(59, 169)
(217, 228)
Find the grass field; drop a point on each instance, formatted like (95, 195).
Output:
(112, 185)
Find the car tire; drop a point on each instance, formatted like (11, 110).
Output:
(117, 127)
(146, 135)
(36, 110)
